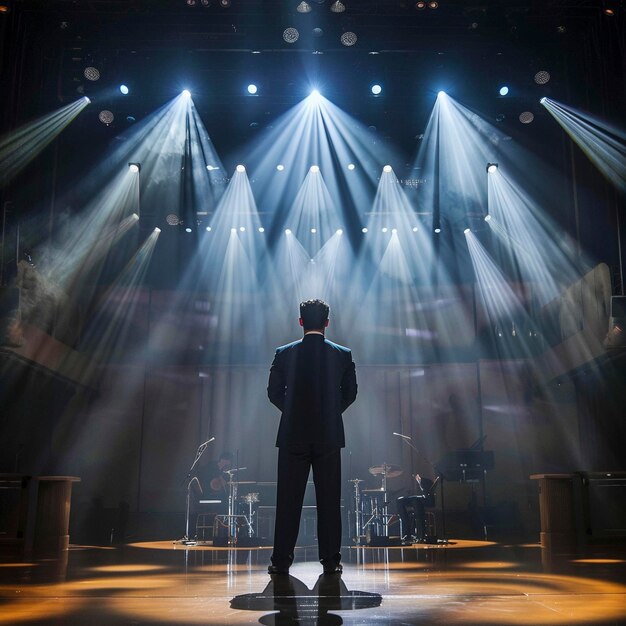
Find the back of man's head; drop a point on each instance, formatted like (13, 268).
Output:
(314, 314)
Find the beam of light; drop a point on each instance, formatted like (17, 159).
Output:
(21, 146)
(602, 143)
(529, 237)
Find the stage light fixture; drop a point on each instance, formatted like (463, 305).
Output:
(314, 169)
(313, 230)
(466, 231)
(233, 230)
(225, 4)
(135, 216)
(415, 229)
(376, 89)
(91, 73)
(420, 5)
(106, 117)
(88, 100)
(186, 93)
(303, 7)
(124, 90)
(526, 117)
(252, 89)
(261, 229)
(394, 230)
(318, 32)
(504, 90)
(437, 230)
(608, 11)
(287, 231)
(208, 229)
(351, 166)
(543, 100)
(4, 8)
(487, 217)
(135, 168)
(492, 168)
(242, 229)
(172, 219)
(364, 229)
(433, 5)
(205, 3)
(188, 229)
(280, 167)
(291, 35)
(339, 231)
(337, 7)
(241, 168)
(384, 229)
(441, 94)
(348, 38)
(542, 77)
(211, 168)
(157, 230)
(191, 3)
(387, 169)
(315, 94)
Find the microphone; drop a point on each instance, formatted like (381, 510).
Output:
(206, 443)
(401, 435)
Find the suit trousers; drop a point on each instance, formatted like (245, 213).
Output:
(294, 464)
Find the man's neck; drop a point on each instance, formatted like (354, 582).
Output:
(314, 332)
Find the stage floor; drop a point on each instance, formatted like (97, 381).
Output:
(466, 582)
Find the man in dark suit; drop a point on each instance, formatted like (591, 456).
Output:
(312, 382)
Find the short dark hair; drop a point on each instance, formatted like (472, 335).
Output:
(314, 314)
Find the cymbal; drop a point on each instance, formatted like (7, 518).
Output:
(377, 490)
(386, 469)
(241, 482)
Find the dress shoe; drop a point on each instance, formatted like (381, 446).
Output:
(333, 568)
(277, 570)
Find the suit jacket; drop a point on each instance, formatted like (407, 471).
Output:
(312, 382)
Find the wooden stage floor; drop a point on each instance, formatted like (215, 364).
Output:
(467, 582)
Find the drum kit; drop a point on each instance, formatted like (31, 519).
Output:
(242, 510)
(371, 506)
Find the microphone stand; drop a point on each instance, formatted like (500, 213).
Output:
(189, 479)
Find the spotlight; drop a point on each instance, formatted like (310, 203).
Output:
(124, 90)
(609, 12)
(242, 229)
(543, 100)
(437, 230)
(205, 3)
(364, 229)
(291, 35)
(315, 94)
(287, 231)
(337, 7)
(492, 167)
(415, 229)
(487, 217)
(542, 77)
(211, 168)
(208, 229)
(351, 166)
(313, 230)
(376, 89)
(348, 38)
(233, 230)
(261, 229)
(186, 93)
(172, 219)
(280, 167)
(252, 89)
(387, 169)
(466, 231)
(225, 4)
(241, 168)
(420, 5)
(384, 229)
(106, 117)
(394, 230)
(314, 169)
(157, 230)
(433, 5)
(526, 117)
(504, 90)
(339, 231)
(188, 229)
(441, 94)
(191, 3)
(134, 167)
(303, 7)
(91, 73)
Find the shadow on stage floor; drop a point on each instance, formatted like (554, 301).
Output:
(465, 582)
